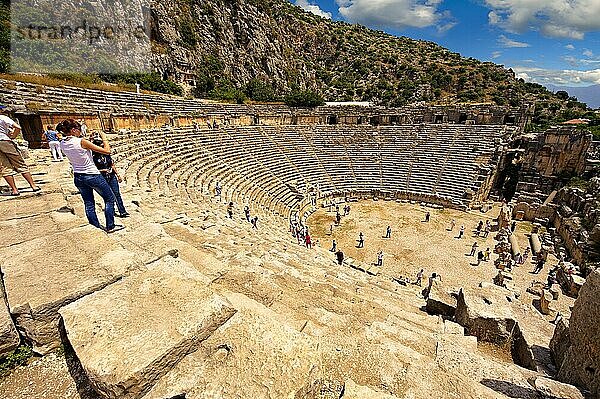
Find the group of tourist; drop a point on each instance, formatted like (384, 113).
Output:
(93, 170)
(252, 220)
(90, 159)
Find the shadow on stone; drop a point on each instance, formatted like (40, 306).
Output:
(509, 389)
(84, 388)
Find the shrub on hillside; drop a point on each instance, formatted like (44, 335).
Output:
(304, 98)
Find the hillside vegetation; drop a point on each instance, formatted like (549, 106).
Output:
(271, 50)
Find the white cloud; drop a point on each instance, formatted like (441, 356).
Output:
(398, 14)
(506, 42)
(496, 54)
(565, 77)
(569, 59)
(554, 18)
(315, 9)
(588, 53)
(570, 47)
(493, 18)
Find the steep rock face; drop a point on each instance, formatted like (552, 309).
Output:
(203, 41)
(581, 363)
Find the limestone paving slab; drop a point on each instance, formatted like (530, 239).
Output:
(16, 208)
(16, 231)
(142, 326)
(254, 355)
(42, 275)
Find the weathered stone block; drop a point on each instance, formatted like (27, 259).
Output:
(560, 342)
(440, 302)
(252, 350)
(550, 389)
(38, 283)
(486, 314)
(354, 391)
(581, 364)
(142, 326)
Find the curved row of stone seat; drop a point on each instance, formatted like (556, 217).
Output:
(181, 151)
(275, 167)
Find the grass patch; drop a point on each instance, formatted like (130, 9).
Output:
(66, 81)
(17, 358)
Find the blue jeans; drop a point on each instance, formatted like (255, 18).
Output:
(113, 182)
(87, 184)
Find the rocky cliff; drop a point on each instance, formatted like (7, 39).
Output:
(208, 43)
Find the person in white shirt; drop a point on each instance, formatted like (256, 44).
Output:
(87, 177)
(11, 161)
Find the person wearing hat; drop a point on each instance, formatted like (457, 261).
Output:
(11, 160)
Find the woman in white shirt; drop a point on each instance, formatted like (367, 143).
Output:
(87, 177)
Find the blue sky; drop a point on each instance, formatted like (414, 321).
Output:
(544, 41)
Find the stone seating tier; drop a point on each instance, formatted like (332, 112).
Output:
(272, 167)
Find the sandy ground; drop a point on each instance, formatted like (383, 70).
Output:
(417, 244)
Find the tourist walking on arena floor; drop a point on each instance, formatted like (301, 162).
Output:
(473, 248)
(427, 217)
(487, 229)
(461, 232)
(52, 138)
(486, 254)
(86, 175)
(452, 225)
(480, 257)
(107, 169)
(479, 228)
(11, 160)
(539, 266)
(361, 240)
(388, 232)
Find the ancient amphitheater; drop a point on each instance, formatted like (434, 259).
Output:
(188, 303)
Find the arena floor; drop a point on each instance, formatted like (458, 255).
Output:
(417, 244)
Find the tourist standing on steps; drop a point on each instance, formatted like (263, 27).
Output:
(107, 169)
(86, 175)
(230, 210)
(340, 257)
(307, 241)
(218, 190)
(247, 214)
(254, 222)
(433, 279)
(380, 258)
(419, 279)
(51, 136)
(11, 160)
(333, 246)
